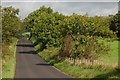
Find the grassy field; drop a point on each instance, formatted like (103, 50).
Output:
(111, 58)
(9, 67)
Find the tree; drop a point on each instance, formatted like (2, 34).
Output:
(10, 23)
(43, 24)
(115, 24)
(0, 25)
(73, 34)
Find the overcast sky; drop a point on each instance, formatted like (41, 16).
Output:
(66, 8)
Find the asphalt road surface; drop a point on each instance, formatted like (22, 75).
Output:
(30, 65)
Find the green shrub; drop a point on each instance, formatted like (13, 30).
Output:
(86, 47)
(49, 53)
(54, 61)
(92, 49)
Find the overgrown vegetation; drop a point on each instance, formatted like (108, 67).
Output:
(10, 23)
(115, 26)
(10, 28)
(72, 39)
(103, 67)
(9, 59)
(74, 44)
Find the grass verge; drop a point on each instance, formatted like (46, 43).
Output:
(9, 68)
(81, 72)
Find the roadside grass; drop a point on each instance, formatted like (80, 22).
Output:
(87, 73)
(82, 72)
(9, 68)
(79, 71)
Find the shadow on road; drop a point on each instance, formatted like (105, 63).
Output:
(43, 64)
(23, 45)
(28, 52)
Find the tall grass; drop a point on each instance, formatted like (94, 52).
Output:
(8, 66)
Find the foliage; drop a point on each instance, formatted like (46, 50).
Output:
(84, 25)
(75, 34)
(79, 36)
(93, 71)
(66, 48)
(92, 49)
(43, 25)
(10, 27)
(57, 35)
(50, 53)
(115, 24)
(10, 23)
(0, 25)
(87, 47)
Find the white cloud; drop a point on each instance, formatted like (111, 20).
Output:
(105, 9)
(60, 0)
(67, 8)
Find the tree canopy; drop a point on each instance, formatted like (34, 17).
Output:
(10, 23)
(115, 24)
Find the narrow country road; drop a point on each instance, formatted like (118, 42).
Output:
(30, 65)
